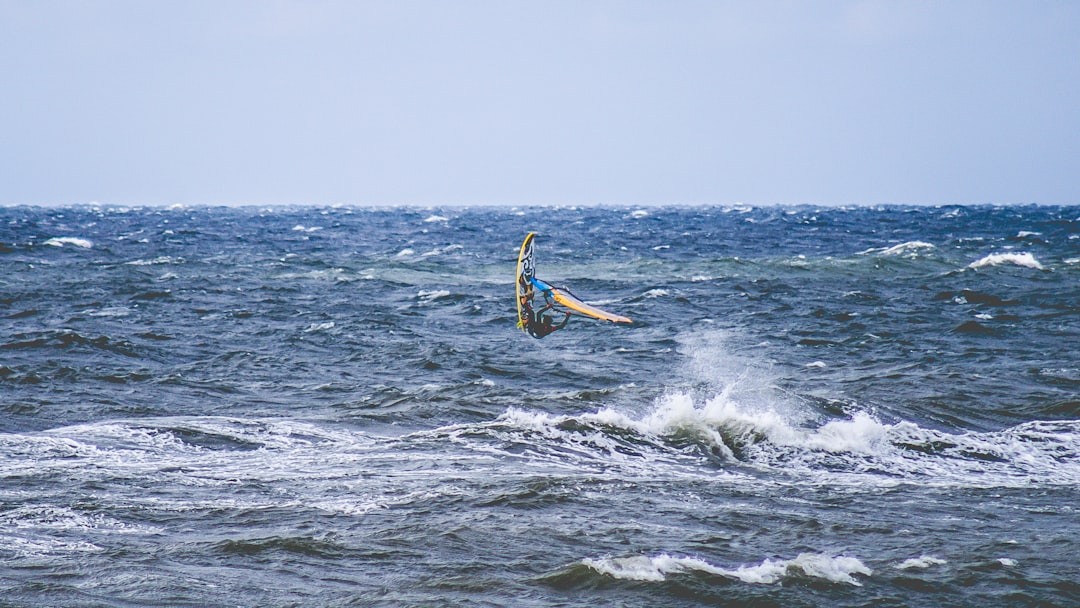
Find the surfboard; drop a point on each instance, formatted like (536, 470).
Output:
(526, 269)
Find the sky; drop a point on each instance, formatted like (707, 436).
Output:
(540, 102)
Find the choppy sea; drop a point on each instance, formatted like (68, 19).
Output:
(332, 407)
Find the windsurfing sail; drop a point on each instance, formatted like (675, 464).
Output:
(525, 271)
(526, 285)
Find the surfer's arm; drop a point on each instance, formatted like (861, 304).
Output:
(565, 320)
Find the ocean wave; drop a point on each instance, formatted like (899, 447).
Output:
(658, 568)
(1024, 259)
(64, 339)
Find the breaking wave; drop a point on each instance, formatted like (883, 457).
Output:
(856, 450)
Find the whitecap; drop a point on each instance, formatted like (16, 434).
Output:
(657, 568)
(655, 293)
(330, 274)
(1019, 259)
(639, 213)
(921, 562)
(23, 547)
(910, 248)
(111, 311)
(158, 260)
(319, 327)
(300, 228)
(1025, 233)
(405, 252)
(440, 251)
(436, 218)
(69, 240)
(431, 296)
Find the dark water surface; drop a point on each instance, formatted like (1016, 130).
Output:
(332, 407)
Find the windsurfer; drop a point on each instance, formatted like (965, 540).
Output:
(537, 323)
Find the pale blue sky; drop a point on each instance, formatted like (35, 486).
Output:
(504, 102)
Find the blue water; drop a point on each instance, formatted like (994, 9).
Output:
(332, 407)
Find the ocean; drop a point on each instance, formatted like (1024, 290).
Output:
(331, 406)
